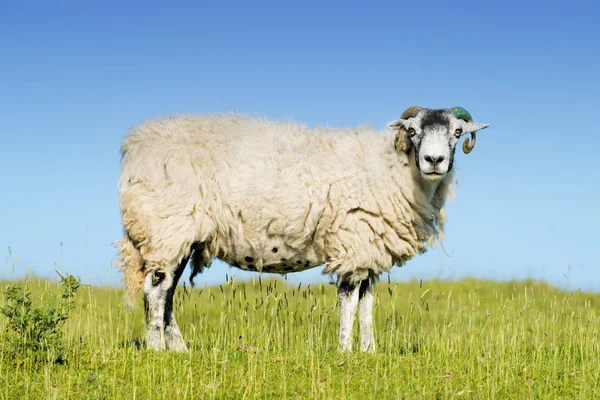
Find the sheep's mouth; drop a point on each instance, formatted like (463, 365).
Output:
(433, 176)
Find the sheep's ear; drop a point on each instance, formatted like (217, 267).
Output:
(399, 124)
(473, 126)
(402, 142)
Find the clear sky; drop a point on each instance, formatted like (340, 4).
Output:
(75, 76)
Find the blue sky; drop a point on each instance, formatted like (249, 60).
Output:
(75, 76)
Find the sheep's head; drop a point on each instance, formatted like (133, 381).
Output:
(434, 134)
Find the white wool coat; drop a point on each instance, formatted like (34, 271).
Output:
(273, 197)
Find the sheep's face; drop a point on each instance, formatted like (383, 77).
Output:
(433, 134)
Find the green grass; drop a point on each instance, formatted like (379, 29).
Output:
(467, 339)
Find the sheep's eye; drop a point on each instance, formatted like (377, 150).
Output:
(458, 132)
(411, 131)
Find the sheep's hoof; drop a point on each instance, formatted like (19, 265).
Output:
(182, 348)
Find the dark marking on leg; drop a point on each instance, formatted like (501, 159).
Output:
(157, 278)
(173, 337)
(146, 310)
(364, 286)
(345, 286)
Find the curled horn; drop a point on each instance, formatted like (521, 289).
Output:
(461, 113)
(410, 112)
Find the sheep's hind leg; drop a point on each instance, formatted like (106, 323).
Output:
(161, 327)
(348, 302)
(173, 336)
(155, 294)
(365, 315)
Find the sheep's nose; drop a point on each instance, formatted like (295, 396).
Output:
(434, 160)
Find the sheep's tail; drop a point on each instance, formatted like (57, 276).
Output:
(133, 267)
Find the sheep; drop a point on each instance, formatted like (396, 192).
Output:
(280, 197)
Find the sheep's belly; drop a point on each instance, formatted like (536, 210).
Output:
(274, 259)
(259, 249)
(281, 268)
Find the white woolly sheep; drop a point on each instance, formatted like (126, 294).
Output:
(280, 197)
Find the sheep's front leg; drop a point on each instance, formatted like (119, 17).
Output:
(173, 336)
(156, 286)
(365, 315)
(348, 302)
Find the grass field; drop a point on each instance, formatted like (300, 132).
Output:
(467, 339)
